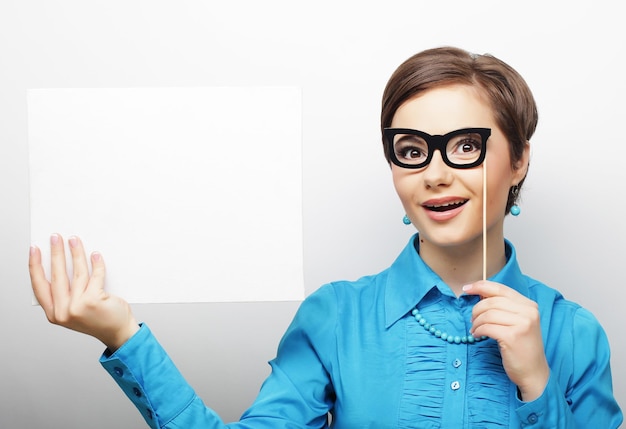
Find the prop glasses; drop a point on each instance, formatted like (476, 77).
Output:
(464, 148)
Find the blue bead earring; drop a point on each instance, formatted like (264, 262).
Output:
(515, 210)
(406, 220)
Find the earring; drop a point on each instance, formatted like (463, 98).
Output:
(406, 220)
(515, 210)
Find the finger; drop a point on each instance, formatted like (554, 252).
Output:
(495, 317)
(512, 301)
(498, 303)
(493, 331)
(39, 283)
(486, 288)
(59, 281)
(81, 269)
(96, 282)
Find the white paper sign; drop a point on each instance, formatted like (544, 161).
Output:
(190, 194)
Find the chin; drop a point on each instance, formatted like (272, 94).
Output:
(452, 239)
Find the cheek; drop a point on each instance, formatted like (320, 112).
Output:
(470, 182)
(401, 181)
(498, 190)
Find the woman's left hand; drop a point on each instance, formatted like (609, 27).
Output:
(512, 320)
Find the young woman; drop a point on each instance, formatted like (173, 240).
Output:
(427, 343)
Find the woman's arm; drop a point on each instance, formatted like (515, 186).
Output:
(577, 391)
(297, 394)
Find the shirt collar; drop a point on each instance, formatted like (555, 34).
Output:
(409, 279)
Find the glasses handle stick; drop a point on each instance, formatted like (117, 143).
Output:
(485, 219)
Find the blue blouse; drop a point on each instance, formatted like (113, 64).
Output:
(353, 350)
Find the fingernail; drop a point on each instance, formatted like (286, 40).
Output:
(54, 239)
(33, 249)
(73, 241)
(96, 256)
(467, 287)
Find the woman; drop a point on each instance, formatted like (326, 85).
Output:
(426, 343)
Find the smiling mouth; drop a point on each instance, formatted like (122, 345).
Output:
(445, 207)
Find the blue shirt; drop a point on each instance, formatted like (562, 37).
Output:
(355, 351)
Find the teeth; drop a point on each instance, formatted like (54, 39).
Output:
(456, 203)
(446, 206)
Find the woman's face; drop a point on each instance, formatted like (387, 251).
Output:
(445, 204)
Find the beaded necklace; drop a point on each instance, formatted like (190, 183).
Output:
(451, 339)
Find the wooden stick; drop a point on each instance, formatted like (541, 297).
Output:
(485, 219)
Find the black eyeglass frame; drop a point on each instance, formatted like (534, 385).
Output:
(436, 142)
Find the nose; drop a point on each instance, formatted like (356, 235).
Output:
(437, 173)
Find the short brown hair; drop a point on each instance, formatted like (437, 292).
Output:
(512, 102)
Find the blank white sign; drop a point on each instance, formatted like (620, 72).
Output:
(190, 194)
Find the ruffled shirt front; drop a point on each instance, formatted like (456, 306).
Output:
(355, 352)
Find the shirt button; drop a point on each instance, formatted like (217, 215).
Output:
(456, 386)
(137, 392)
(532, 418)
(118, 371)
(149, 413)
(456, 363)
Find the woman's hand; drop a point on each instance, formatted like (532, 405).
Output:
(513, 321)
(82, 304)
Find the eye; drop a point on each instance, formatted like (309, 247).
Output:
(411, 153)
(410, 149)
(465, 146)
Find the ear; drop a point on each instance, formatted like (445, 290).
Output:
(520, 169)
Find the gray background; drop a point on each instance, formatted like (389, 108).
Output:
(569, 234)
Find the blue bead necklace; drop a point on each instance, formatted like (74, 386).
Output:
(452, 339)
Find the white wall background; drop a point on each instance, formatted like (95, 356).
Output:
(570, 233)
